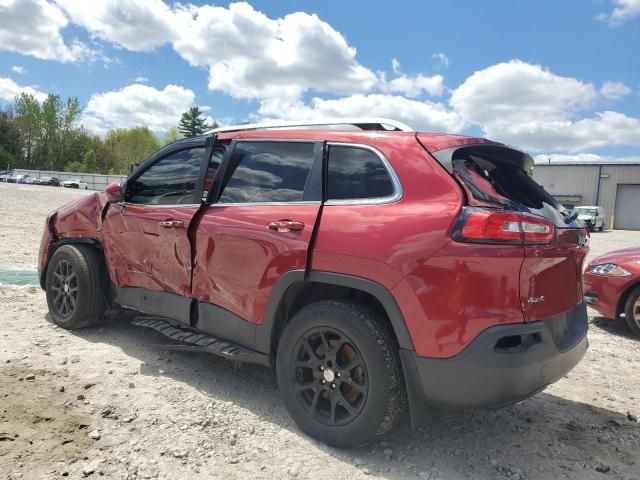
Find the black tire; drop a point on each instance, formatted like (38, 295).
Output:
(75, 269)
(632, 311)
(371, 379)
(601, 227)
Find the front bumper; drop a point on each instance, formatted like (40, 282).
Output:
(503, 365)
(603, 293)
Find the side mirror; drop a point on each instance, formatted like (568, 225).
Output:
(115, 192)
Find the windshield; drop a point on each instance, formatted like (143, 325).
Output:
(586, 211)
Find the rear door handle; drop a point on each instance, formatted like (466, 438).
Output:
(283, 226)
(171, 224)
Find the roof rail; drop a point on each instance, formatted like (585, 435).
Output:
(379, 124)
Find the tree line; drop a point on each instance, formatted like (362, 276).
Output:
(48, 135)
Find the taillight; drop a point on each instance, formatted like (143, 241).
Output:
(479, 225)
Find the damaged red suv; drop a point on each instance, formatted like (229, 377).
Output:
(373, 267)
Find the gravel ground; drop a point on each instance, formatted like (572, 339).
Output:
(112, 402)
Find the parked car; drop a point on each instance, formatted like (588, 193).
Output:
(593, 217)
(27, 180)
(369, 268)
(612, 286)
(15, 178)
(75, 183)
(50, 181)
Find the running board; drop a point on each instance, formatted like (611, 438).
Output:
(201, 342)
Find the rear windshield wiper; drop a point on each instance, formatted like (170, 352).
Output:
(569, 215)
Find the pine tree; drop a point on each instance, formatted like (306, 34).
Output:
(193, 123)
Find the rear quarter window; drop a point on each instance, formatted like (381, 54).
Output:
(355, 173)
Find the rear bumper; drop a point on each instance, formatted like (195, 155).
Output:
(503, 365)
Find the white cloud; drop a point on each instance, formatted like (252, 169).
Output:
(18, 69)
(139, 25)
(605, 129)
(141, 80)
(442, 61)
(249, 55)
(421, 115)
(10, 89)
(614, 90)
(535, 109)
(253, 56)
(137, 105)
(623, 11)
(415, 86)
(584, 157)
(395, 66)
(32, 27)
(520, 93)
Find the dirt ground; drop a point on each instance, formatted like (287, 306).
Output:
(111, 402)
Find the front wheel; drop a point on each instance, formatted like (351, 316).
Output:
(73, 287)
(339, 373)
(632, 311)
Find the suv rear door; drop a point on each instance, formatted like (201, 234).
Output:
(258, 225)
(495, 177)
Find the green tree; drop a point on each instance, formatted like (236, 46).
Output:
(6, 159)
(10, 137)
(89, 162)
(170, 136)
(193, 123)
(28, 117)
(131, 145)
(67, 131)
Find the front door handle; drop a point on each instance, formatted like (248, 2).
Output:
(283, 226)
(171, 224)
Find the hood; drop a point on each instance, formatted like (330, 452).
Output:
(626, 256)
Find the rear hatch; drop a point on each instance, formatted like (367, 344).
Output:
(505, 205)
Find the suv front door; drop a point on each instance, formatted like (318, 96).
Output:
(258, 226)
(146, 236)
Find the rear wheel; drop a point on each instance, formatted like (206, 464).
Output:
(339, 373)
(73, 287)
(632, 311)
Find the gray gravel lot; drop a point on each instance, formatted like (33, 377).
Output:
(111, 402)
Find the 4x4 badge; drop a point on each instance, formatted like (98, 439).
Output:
(536, 299)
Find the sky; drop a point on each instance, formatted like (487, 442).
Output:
(559, 79)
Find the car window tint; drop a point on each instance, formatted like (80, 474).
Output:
(356, 173)
(170, 181)
(268, 172)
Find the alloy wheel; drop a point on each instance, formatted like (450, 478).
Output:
(65, 288)
(330, 376)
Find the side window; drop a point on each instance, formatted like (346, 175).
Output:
(356, 173)
(267, 172)
(169, 181)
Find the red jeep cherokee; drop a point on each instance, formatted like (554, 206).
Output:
(369, 264)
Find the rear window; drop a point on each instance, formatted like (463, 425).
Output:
(268, 172)
(497, 174)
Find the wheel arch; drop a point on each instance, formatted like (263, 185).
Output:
(622, 301)
(66, 241)
(295, 290)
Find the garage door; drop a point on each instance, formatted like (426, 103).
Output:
(627, 211)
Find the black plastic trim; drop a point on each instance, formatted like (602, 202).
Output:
(153, 302)
(264, 332)
(221, 323)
